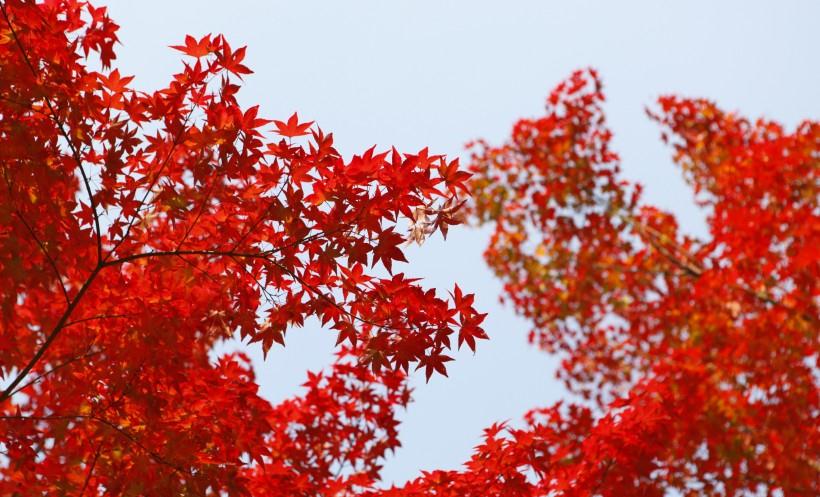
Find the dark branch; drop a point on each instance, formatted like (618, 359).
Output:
(8, 392)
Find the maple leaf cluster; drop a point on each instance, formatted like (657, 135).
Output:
(139, 229)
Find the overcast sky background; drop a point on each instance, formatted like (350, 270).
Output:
(416, 73)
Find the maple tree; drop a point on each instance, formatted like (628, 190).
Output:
(138, 229)
(698, 358)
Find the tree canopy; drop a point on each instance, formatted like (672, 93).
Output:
(138, 229)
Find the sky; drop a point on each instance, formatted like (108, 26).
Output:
(427, 73)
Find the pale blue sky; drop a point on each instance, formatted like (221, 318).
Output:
(439, 73)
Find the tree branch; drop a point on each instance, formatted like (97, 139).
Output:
(52, 336)
(91, 469)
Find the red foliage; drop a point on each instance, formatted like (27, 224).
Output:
(138, 229)
(701, 354)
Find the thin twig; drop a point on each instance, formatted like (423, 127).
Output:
(91, 469)
(52, 370)
(48, 256)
